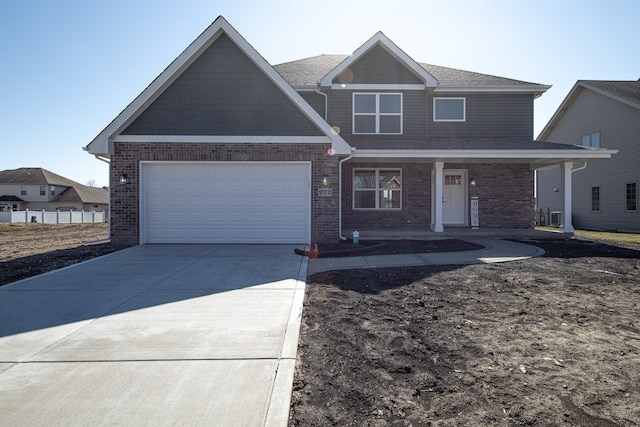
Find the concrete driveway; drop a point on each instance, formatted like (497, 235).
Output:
(154, 335)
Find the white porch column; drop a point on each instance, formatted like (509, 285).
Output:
(437, 198)
(566, 224)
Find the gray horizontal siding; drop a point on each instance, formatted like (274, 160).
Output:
(414, 119)
(223, 93)
(619, 127)
(378, 67)
(488, 116)
(315, 100)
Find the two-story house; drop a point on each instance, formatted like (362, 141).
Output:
(599, 114)
(223, 147)
(40, 189)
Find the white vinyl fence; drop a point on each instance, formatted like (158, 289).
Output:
(55, 217)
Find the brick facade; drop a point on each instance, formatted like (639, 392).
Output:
(125, 199)
(504, 191)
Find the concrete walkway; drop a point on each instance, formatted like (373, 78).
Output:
(154, 335)
(170, 334)
(494, 251)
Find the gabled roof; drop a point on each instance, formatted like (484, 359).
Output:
(103, 143)
(34, 176)
(626, 92)
(379, 39)
(306, 73)
(75, 193)
(83, 194)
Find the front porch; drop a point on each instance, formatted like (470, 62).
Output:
(457, 233)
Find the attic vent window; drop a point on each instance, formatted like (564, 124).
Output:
(377, 113)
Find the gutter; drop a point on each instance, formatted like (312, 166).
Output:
(340, 193)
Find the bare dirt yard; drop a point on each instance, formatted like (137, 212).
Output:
(553, 340)
(30, 249)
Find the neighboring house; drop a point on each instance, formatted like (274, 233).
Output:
(599, 114)
(223, 147)
(39, 189)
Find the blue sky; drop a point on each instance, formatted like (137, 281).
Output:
(69, 67)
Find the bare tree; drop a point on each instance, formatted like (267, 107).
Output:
(90, 183)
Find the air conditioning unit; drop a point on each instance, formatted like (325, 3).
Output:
(555, 218)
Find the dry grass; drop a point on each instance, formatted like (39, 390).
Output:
(603, 236)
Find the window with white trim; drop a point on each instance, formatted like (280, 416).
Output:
(23, 190)
(377, 113)
(595, 199)
(43, 190)
(449, 109)
(377, 189)
(591, 140)
(632, 197)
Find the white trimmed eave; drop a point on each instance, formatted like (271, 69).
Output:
(536, 158)
(536, 89)
(392, 48)
(103, 143)
(224, 139)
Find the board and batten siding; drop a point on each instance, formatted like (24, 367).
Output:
(619, 127)
(488, 116)
(223, 93)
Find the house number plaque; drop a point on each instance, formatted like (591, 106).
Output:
(325, 192)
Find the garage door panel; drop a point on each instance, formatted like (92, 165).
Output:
(226, 202)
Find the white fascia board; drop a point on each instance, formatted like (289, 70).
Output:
(487, 154)
(537, 89)
(392, 48)
(224, 139)
(347, 86)
(103, 143)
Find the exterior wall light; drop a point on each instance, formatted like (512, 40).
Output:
(474, 182)
(123, 179)
(325, 181)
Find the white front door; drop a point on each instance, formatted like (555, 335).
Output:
(454, 208)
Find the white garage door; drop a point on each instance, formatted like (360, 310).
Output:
(225, 203)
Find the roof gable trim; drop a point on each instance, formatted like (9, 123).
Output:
(392, 48)
(103, 143)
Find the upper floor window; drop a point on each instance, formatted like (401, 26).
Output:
(632, 197)
(43, 190)
(53, 190)
(23, 190)
(449, 109)
(591, 140)
(377, 113)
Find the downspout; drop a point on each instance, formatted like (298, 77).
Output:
(340, 193)
(583, 167)
(326, 101)
(90, 242)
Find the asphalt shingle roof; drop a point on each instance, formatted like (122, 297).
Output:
(309, 71)
(76, 192)
(629, 90)
(459, 144)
